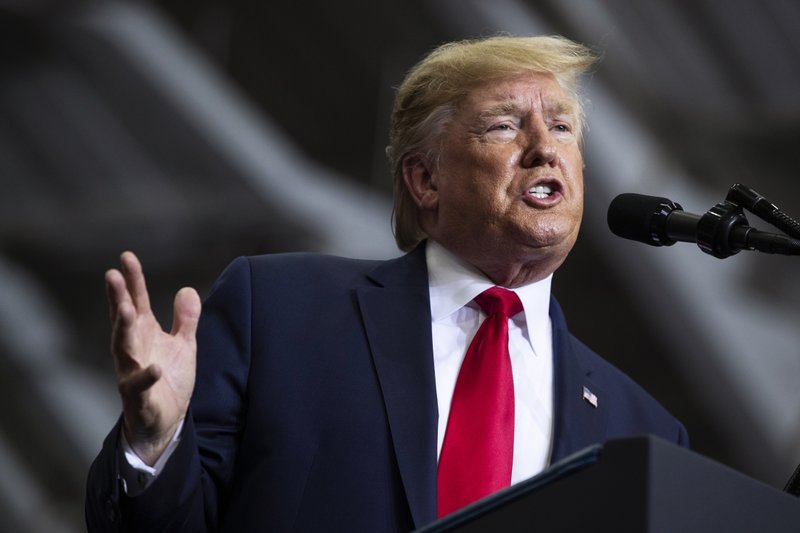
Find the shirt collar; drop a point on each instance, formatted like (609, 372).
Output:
(454, 283)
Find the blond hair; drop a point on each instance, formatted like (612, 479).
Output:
(427, 98)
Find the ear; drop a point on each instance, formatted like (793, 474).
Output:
(420, 182)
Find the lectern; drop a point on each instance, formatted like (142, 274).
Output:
(639, 485)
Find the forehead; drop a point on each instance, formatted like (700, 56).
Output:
(536, 91)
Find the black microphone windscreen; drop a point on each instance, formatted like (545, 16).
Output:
(640, 217)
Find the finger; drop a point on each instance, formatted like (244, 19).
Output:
(122, 338)
(116, 293)
(134, 384)
(186, 310)
(134, 279)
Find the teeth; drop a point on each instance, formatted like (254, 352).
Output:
(541, 191)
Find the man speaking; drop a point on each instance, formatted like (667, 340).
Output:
(318, 393)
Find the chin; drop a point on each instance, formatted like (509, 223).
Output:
(549, 234)
(553, 241)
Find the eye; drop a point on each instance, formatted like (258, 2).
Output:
(561, 124)
(501, 132)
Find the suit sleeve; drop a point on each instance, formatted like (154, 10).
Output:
(191, 493)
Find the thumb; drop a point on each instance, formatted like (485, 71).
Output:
(136, 383)
(186, 312)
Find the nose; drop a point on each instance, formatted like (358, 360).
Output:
(540, 148)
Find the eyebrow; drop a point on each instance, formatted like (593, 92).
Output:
(513, 107)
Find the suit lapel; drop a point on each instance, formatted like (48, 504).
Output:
(580, 420)
(396, 317)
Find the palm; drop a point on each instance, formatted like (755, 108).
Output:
(155, 369)
(169, 396)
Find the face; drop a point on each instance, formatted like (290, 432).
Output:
(507, 192)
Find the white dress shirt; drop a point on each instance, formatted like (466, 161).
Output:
(455, 320)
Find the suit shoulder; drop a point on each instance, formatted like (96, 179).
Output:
(308, 265)
(634, 407)
(609, 373)
(596, 366)
(308, 260)
(301, 270)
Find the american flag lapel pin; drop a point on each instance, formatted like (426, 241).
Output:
(590, 397)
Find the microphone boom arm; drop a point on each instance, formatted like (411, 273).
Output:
(754, 202)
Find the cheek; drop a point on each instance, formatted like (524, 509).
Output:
(577, 184)
(571, 162)
(471, 187)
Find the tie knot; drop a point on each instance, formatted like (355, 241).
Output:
(499, 300)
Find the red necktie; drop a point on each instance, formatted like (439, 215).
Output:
(478, 447)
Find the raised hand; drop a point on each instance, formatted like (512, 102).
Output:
(155, 369)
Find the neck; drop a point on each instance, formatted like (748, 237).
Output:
(508, 271)
(516, 274)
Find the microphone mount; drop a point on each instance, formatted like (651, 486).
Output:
(722, 230)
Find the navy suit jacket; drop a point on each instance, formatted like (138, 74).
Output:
(315, 405)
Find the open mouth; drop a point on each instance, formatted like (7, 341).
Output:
(541, 191)
(546, 190)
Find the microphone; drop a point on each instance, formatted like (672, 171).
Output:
(722, 232)
(651, 219)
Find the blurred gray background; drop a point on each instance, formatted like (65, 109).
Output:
(194, 132)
